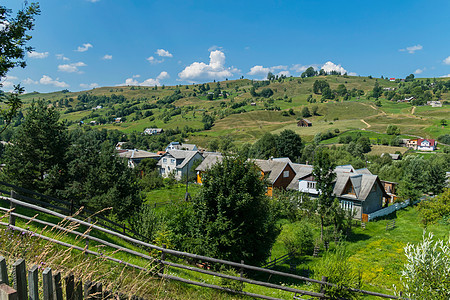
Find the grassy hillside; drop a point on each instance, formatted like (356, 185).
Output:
(243, 117)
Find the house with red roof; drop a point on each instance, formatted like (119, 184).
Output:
(426, 144)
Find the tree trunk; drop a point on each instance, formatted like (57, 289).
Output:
(321, 228)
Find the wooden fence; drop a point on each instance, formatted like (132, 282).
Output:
(69, 208)
(163, 261)
(26, 285)
(278, 260)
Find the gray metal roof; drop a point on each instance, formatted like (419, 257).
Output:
(138, 154)
(208, 162)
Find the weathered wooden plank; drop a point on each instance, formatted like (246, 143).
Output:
(79, 289)
(20, 279)
(57, 287)
(88, 290)
(33, 283)
(7, 292)
(70, 287)
(12, 205)
(47, 283)
(3, 271)
(99, 291)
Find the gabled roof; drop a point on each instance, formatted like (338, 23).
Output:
(363, 171)
(208, 162)
(362, 184)
(130, 154)
(184, 155)
(272, 168)
(431, 141)
(301, 171)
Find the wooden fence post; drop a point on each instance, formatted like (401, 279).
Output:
(33, 283)
(70, 287)
(163, 257)
(88, 290)
(20, 279)
(79, 290)
(12, 219)
(3, 271)
(7, 292)
(322, 286)
(57, 288)
(241, 271)
(99, 291)
(47, 284)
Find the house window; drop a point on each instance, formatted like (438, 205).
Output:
(172, 161)
(164, 160)
(311, 185)
(286, 174)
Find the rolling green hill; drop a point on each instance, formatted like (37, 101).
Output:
(244, 118)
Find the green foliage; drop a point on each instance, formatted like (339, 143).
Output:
(266, 92)
(289, 144)
(230, 205)
(13, 39)
(310, 72)
(393, 129)
(377, 91)
(145, 222)
(265, 147)
(436, 208)
(299, 241)
(338, 270)
(426, 274)
(305, 112)
(36, 157)
(234, 285)
(320, 85)
(410, 77)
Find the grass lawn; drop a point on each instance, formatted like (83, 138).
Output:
(377, 253)
(172, 193)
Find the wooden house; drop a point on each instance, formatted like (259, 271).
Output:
(304, 123)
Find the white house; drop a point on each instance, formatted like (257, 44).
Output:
(180, 146)
(152, 131)
(178, 162)
(135, 156)
(426, 145)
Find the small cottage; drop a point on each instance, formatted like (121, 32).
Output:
(304, 123)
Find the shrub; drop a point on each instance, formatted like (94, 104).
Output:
(426, 274)
(338, 270)
(300, 240)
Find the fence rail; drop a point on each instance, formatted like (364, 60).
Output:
(278, 260)
(70, 208)
(52, 285)
(162, 261)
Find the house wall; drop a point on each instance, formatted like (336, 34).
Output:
(283, 182)
(374, 200)
(425, 148)
(303, 187)
(183, 171)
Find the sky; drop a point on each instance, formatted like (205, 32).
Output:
(83, 44)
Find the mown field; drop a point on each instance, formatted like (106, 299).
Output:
(248, 122)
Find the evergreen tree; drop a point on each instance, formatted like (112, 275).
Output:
(324, 176)
(35, 159)
(233, 219)
(289, 145)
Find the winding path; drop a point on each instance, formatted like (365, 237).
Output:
(367, 124)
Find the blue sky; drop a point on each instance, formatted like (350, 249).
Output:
(80, 44)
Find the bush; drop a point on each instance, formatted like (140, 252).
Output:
(300, 240)
(338, 270)
(426, 275)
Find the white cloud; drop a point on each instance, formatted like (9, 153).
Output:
(89, 85)
(412, 49)
(447, 61)
(136, 76)
(84, 48)
(107, 57)
(93, 1)
(72, 68)
(198, 71)
(329, 66)
(148, 82)
(35, 54)
(153, 60)
(299, 68)
(163, 75)
(30, 81)
(419, 71)
(214, 47)
(47, 80)
(263, 71)
(163, 53)
(445, 76)
(62, 57)
(8, 82)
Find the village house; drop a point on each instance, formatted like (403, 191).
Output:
(358, 191)
(152, 131)
(391, 189)
(180, 146)
(278, 171)
(426, 144)
(135, 156)
(434, 103)
(178, 162)
(304, 123)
